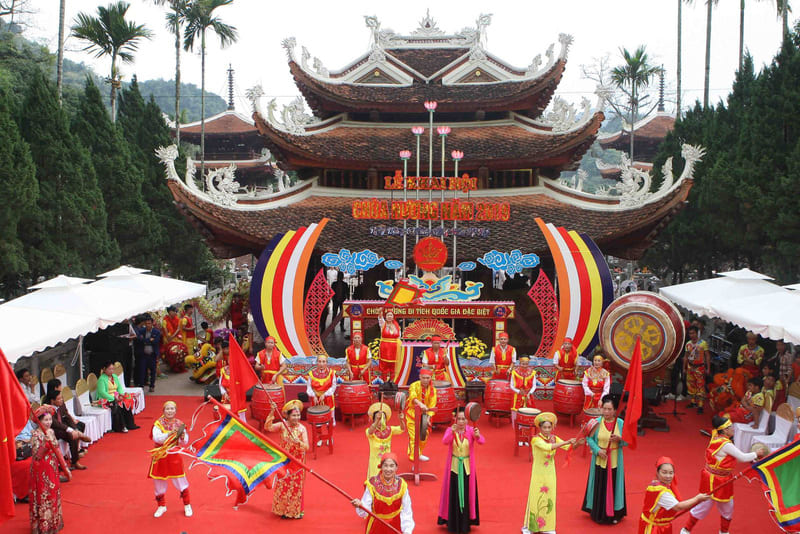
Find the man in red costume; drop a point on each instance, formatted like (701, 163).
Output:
(565, 360)
(523, 384)
(188, 335)
(322, 385)
(391, 347)
(358, 360)
(270, 363)
(169, 434)
(436, 359)
(721, 458)
(503, 357)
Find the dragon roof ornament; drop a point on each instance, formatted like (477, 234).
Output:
(428, 34)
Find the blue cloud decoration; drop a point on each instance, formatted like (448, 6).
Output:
(467, 266)
(511, 263)
(349, 262)
(393, 264)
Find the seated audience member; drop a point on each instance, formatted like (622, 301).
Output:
(111, 393)
(26, 381)
(67, 429)
(22, 441)
(53, 385)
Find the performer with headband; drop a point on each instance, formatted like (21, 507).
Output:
(662, 502)
(169, 432)
(596, 383)
(721, 458)
(422, 395)
(696, 364)
(358, 361)
(386, 495)
(391, 348)
(270, 363)
(436, 359)
(503, 357)
(565, 360)
(523, 384)
(540, 512)
(321, 385)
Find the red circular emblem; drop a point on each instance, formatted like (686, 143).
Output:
(430, 254)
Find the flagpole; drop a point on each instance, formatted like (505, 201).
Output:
(733, 479)
(301, 464)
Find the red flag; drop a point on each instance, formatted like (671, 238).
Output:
(633, 386)
(243, 377)
(14, 414)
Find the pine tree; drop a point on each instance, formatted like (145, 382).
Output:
(66, 232)
(131, 222)
(18, 189)
(142, 123)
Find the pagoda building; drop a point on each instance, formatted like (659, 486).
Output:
(513, 134)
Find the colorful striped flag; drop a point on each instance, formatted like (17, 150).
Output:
(234, 450)
(780, 473)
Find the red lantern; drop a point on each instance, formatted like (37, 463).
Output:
(430, 254)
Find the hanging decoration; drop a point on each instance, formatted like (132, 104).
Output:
(511, 263)
(467, 266)
(349, 262)
(430, 254)
(317, 298)
(393, 264)
(544, 296)
(424, 329)
(404, 293)
(436, 289)
(215, 310)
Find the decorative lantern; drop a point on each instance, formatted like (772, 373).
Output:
(430, 254)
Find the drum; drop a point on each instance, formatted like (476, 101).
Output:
(651, 318)
(473, 411)
(498, 396)
(260, 406)
(446, 402)
(591, 413)
(527, 416)
(354, 396)
(568, 397)
(318, 415)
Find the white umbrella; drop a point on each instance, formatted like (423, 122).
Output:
(702, 296)
(164, 291)
(61, 280)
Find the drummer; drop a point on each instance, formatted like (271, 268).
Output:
(565, 360)
(271, 365)
(596, 383)
(503, 358)
(321, 385)
(357, 361)
(523, 384)
(422, 395)
(436, 359)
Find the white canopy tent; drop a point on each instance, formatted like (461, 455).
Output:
(704, 296)
(773, 315)
(64, 308)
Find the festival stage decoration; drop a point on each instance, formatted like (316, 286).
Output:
(276, 292)
(544, 296)
(584, 285)
(239, 454)
(430, 254)
(423, 329)
(393, 264)
(437, 290)
(510, 262)
(215, 310)
(779, 473)
(350, 262)
(317, 298)
(404, 293)
(473, 347)
(467, 266)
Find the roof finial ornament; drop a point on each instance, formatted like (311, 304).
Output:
(483, 21)
(374, 26)
(661, 90)
(231, 106)
(427, 26)
(288, 44)
(254, 94)
(566, 40)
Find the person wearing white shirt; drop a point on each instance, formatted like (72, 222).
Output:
(26, 381)
(394, 503)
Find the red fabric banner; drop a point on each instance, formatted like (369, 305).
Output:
(243, 377)
(633, 386)
(14, 413)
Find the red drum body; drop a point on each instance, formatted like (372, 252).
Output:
(260, 406)
(446, 402)
(355, 397)
(591, 413)
(318, 415)
(499, 396)
(568, 397)
(527, 416)
(652, 318)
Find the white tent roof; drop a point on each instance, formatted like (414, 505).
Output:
(745, 274)
(704, 296)
(66, 308)
(771, 315)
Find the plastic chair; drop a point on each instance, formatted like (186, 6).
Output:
(793, 401)
(91, 381)
(83, 405)
(137, 392)
(92, 426)
(784, 421)
(45, 376)
(743, 432)
(60, 373)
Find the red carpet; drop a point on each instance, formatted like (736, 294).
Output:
(113, 494)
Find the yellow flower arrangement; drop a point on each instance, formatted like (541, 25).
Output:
(374, 347)
(472, 347)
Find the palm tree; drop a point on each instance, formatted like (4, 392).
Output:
(175, 20)
(783, 13)
(199, 18)
(60, 63)
(679, 69)
(710, 5)
(109, 34)
(634, 75)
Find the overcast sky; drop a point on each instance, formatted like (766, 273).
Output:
(335, 32)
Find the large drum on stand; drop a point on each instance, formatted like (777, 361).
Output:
(354, 397)
(446, 402)
(568, 397)
(498, 396)
(260, 407)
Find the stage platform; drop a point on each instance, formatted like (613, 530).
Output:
(114, 493)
